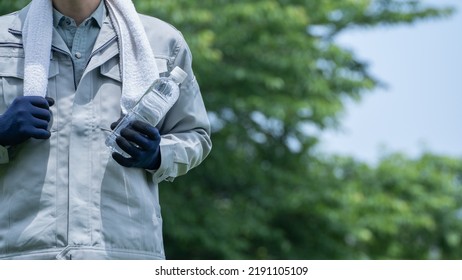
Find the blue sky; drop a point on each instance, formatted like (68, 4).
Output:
(421, 108)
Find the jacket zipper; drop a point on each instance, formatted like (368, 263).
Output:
(69, 55)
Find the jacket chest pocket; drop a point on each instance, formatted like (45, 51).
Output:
(12, 80)
(109, 90)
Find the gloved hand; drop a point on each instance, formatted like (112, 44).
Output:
(141, 141)
(27, 117)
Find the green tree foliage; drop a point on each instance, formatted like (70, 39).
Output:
(272, 77)
(402, 209)
(8, 6)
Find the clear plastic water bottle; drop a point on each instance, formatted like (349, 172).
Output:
(152, 106)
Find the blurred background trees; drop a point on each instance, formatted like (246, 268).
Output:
(273, 77)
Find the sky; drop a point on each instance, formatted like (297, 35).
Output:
(420, 110)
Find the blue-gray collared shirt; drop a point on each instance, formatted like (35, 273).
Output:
(80, 39)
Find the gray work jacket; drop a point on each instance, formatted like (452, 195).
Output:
(66, 197)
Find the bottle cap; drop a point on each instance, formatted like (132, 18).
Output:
(178, 75)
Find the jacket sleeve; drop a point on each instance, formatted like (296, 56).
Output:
(185, 130)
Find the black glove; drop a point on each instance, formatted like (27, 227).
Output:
(27, 117)
(141, 141)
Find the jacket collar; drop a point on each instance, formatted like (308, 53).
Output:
(107, 32)
(15, 27)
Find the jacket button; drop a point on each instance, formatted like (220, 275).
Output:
(78, 55)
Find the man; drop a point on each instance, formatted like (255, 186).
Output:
(63, 195)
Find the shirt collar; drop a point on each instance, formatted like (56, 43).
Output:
(98, 15)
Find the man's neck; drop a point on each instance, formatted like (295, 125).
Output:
(79, 10)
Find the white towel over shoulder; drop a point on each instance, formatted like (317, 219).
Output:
(137, 61)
